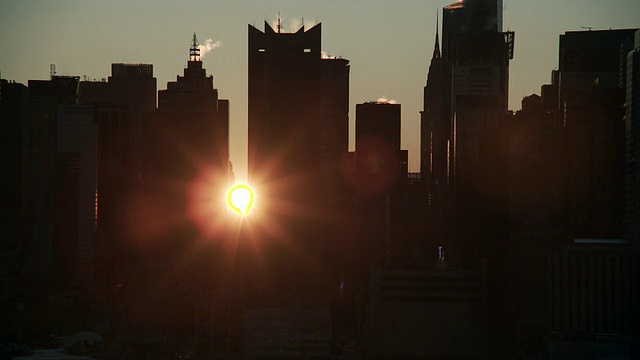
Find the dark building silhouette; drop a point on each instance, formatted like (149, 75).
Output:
(379, 120)
(591, 109)
(632, 143)
(14, 167)
(134, 85)
(45, 252)
(284, 103)
(381, 176)
(537, 214)
(593, 298)
(193, 124)
(175, 209)
(478, 51)
(122, 106)
(75, 182)
(566, 182)
(427, 314)
(436, 147)
(298, 134)
(464, 167)
(463, 161)
(335, 109)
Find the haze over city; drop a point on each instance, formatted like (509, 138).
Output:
(388, 44)
(320, 180)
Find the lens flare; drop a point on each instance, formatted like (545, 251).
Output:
(240, 199)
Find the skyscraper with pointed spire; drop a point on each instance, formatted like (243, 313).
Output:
(436, 144)
(185, 145)
(465, 169)
(193, 123)
(464, 100)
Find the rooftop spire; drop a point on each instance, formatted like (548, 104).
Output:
(279, 23)
(436, 49)
(194, 51)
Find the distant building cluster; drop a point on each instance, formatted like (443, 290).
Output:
(518, 238)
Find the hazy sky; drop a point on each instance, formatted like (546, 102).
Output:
(388, 43)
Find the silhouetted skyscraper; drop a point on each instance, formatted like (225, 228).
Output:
(465, 100)
(465, 171)
(380, 175)
(298, 133)
(591, 109)
(134, 85)
(380, 120)
(75, 181)
(436, 147)
(46, 98)
(632, 141)
(14, 167)
(284, 106)
(479, 53)
(192, 124)
(335, 109)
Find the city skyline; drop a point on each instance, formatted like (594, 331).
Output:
(388, 45)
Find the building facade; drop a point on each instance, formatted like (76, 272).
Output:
(632, 143)
(297, 138)
(591, 97)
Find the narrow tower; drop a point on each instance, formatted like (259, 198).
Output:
(194, 51)
(435, 146)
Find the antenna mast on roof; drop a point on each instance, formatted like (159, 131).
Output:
(278, 23)
(194, 51)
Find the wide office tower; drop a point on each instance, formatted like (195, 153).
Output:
(591, 110)
(297, 128)
(284, 106)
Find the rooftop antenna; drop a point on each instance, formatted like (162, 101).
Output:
(436, 49)
(194, 51)
(52, 70)
(587, 27)
(278, 23)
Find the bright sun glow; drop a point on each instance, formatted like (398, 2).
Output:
(240, 199)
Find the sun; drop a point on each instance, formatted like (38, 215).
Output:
(240, 198)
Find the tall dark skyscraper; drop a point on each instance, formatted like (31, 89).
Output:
(380, 172)
(591, 109)
(479, 53)
(285, 117)
(120, 108)
(465, 99)
(298, 132)
(47, 101)
(14, 167)
(463, 147)
(632, 141)
(193, 124)
(135, 86)
(436, 145)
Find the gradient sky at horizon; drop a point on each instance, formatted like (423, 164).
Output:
(388, 43)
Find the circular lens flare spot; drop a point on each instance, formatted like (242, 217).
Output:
(240, 199)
